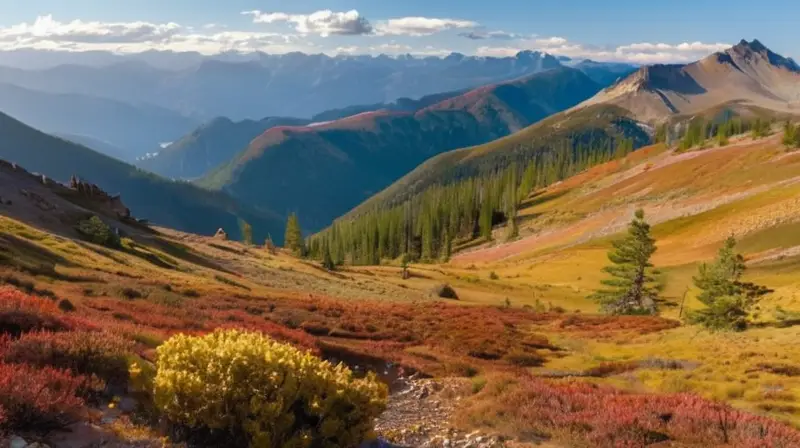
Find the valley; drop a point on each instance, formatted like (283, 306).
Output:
(457, 251)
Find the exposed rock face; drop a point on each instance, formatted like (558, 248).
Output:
(95, 193)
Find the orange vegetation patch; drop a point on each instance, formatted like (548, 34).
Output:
(607, 326)
(591, 415)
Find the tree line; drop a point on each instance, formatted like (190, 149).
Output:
(698, 132)
(429, 225)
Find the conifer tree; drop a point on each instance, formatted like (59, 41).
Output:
(791, 135)
(247, 232)
(447, 247)
(293, 238)
(661, 134)
(722, 134)
(632, 288)
(327, 260)
(728, 300)
(486, 216)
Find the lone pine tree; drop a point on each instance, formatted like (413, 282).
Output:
(632, 288)
(293, 238)
(728, 300)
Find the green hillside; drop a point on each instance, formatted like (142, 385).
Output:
(321, 172)
(174, 204)
(584, 129)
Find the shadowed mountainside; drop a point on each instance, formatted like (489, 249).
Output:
(209, 146)
(175, 204)
(336, 165)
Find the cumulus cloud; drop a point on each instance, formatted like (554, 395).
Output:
(638, 53)
(324, 23)
(50, 34)
(420, 26)
(78, 31)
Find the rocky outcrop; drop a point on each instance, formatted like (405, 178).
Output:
(96, 194)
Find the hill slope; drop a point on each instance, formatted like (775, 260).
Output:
(336, 165)
(589, 127)
(174, 204)
(209, 146)
(748, 73)
(134, 129)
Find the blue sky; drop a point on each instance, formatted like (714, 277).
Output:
(637, 31)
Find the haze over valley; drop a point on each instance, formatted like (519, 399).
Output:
(402, 225)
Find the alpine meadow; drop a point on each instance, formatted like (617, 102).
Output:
(407, 225)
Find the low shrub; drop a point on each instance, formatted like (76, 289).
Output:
(66, 306)
(611, 368)
(585, 414)
(264, 393)
(83, 352)
(524, 359)
(445, 291)
(20, 313)
(98, 232)
(40, 399)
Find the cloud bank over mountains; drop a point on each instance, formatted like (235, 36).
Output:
(330, 32)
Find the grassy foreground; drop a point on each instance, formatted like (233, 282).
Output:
(541, 363)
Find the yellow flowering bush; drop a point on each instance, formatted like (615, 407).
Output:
(271, 393)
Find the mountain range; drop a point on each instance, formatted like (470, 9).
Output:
(262, 170)
(748, 74)
(744, 78)
(322, 170)
(294, 84)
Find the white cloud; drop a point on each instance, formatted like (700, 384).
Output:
(78, 31)
(324, 23)
(47, 33)
(351, 50)
(639, 53)
(420, 26)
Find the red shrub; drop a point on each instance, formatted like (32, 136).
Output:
(20, 313)
(87, 353)
(606, 417)
(40, 399)
(600, 326)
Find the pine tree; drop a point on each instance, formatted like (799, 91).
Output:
(661, 134)
(722, 134)
(633, 288)
(293, 238)
(486, 216)
(791, 135)
(447, 246)
(327, 260)
(728, 300)
(247, 232)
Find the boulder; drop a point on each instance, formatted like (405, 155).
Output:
(221, 234)
(445, 291)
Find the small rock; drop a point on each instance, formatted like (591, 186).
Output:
(37, 445)
(17, 442)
